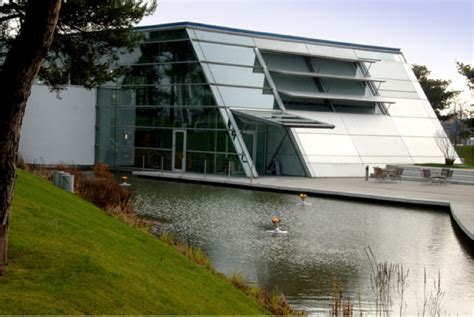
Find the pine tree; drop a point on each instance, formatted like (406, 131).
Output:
(59, 42)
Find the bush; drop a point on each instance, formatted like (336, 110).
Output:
(101, 189)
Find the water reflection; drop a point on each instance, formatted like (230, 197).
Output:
(325, 241)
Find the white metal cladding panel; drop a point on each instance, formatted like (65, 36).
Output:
(327, 117)
(369, 124)
(438, 127)
(429, 159)
(387, 160)
(420, 146)
(416, 126)
(223, 37)
(408, 108)
(338, 170)
(332, 159)
(198, 50)
(320, 144)
(429, 109)
(410, 72)
(217, 95)
(331, 51)
(282, 46)
(398, 85)
(419, 90)
(377, 55)
(59, 130)
(390, 70)
(398, 94)
(379, 145)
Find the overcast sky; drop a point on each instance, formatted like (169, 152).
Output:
(429, 32)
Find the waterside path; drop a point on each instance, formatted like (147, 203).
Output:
(458, 198)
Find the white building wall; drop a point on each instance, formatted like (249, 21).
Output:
(59, 130)
(406, 136)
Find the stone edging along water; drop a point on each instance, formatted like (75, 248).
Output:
(457, 210)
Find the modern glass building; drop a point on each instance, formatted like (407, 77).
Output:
(216, 100)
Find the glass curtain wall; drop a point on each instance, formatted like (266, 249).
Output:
(161, 114)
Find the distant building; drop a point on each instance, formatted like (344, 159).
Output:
(197, 97)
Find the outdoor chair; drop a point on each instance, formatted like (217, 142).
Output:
(445, 176)
(396, 174)
(378, 174)
(426, 176)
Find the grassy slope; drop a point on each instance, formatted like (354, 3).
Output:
(68, 257)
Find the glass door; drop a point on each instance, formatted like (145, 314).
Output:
(250, 139)
(179, 150)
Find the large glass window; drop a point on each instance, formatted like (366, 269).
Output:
(153, 138)
(166, 52)
(197, 118)
(357, 107)
(247, 97)
(296, 83)
(192, 95)
(159, 74)
(306, 104)
(166, 90)
(105, 116)
(233, 75)
(333, 67)
(201, 140)
(285, 62)
(343, 87)
(153, 159)
(169, 35)
(229, 54)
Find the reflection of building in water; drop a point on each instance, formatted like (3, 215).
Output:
(197, 98)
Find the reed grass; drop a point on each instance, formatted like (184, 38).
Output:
(388, 282)
(274, 302)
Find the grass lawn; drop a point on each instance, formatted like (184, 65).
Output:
(68, 257)
(466, 152)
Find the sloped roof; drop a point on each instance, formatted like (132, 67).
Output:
(225, 29)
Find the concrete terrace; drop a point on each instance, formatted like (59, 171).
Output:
(458, 198)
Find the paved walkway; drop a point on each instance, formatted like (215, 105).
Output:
(460, 198)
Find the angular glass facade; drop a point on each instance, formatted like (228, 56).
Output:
(161, 112)
(199, 98)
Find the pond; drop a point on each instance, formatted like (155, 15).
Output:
(325, 244)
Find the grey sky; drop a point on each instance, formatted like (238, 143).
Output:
(429, 32)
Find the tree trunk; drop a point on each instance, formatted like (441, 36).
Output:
(22, 63)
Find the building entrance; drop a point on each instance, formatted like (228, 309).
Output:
(179, 150)
(250, 139)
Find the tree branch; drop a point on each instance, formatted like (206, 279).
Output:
(10, 17)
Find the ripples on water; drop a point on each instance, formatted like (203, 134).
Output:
(325, 241)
